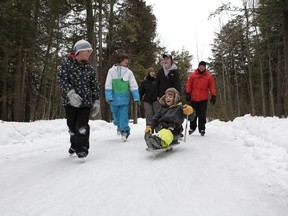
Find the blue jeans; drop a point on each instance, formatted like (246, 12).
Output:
(120, 116)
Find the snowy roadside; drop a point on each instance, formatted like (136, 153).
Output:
(238, 168)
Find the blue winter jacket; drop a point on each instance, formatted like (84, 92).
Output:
(119, 83)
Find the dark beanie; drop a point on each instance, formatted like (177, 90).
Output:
(168, 56)
(202, 63)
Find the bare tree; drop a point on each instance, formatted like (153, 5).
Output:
(250, 83)
(4, 114)
(285, 39)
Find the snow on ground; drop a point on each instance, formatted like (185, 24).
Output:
(239, 168)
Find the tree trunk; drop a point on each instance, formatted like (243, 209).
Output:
(23, 101)
(237, 89)
(101, 72)
(262, 85)
(40, 93)
(285, 39)
(4, 108)
(279, 86)
(28, 91)
(224, 87)
(100, 33)
(90, 20)
(261, 72)
(17, 105)
(51, 97)
(135, 113)
(251, 91)
(271, 83)
(110, 49)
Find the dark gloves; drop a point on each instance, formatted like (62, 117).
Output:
(188, 97)
(213, 99)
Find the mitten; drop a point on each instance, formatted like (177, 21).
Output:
(213, 99)
(148, 129)
(95, 108)
(74, 99)
(188, 97)
(187, 109)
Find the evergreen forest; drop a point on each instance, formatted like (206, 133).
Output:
(249, 54)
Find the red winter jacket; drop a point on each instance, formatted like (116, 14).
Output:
(199, 85)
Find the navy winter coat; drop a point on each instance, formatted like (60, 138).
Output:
(82, 78)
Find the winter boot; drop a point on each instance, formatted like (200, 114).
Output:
(190, 131)
(118, 131)
(71, 151)
(202, 132)
(175, 142)
(155, 141)
(146, 137)
(81, 154)
(124, 136)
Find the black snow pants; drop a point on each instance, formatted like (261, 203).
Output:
(200, 107)
(77, 121)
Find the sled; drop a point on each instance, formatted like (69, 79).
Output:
(170, 148)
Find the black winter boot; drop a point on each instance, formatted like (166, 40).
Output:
(71, 151)
(155, 141)
(202, 132)
(190, 131)
(81, 154)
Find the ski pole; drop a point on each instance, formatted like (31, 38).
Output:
(185, 133)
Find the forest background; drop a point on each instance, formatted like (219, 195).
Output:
(249, 54)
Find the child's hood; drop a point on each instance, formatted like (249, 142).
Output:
(176, 97)
(120, 72)
(117, 68)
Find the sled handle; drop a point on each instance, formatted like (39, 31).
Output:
(186, 126)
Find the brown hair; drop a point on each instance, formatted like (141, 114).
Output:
(149, 70)
(121, 57)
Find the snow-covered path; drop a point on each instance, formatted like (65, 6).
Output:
(219, 174)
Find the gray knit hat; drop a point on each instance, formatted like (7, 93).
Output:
(81, 45)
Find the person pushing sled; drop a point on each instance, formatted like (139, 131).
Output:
(167, 122)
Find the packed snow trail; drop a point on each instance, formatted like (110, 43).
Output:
(217, 174)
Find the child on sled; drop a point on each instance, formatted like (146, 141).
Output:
(167, 122)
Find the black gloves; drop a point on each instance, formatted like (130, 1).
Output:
(188, 97)
(213, 99)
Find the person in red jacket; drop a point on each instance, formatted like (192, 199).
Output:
(198, 86)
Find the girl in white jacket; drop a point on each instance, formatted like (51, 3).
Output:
(119, 82)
